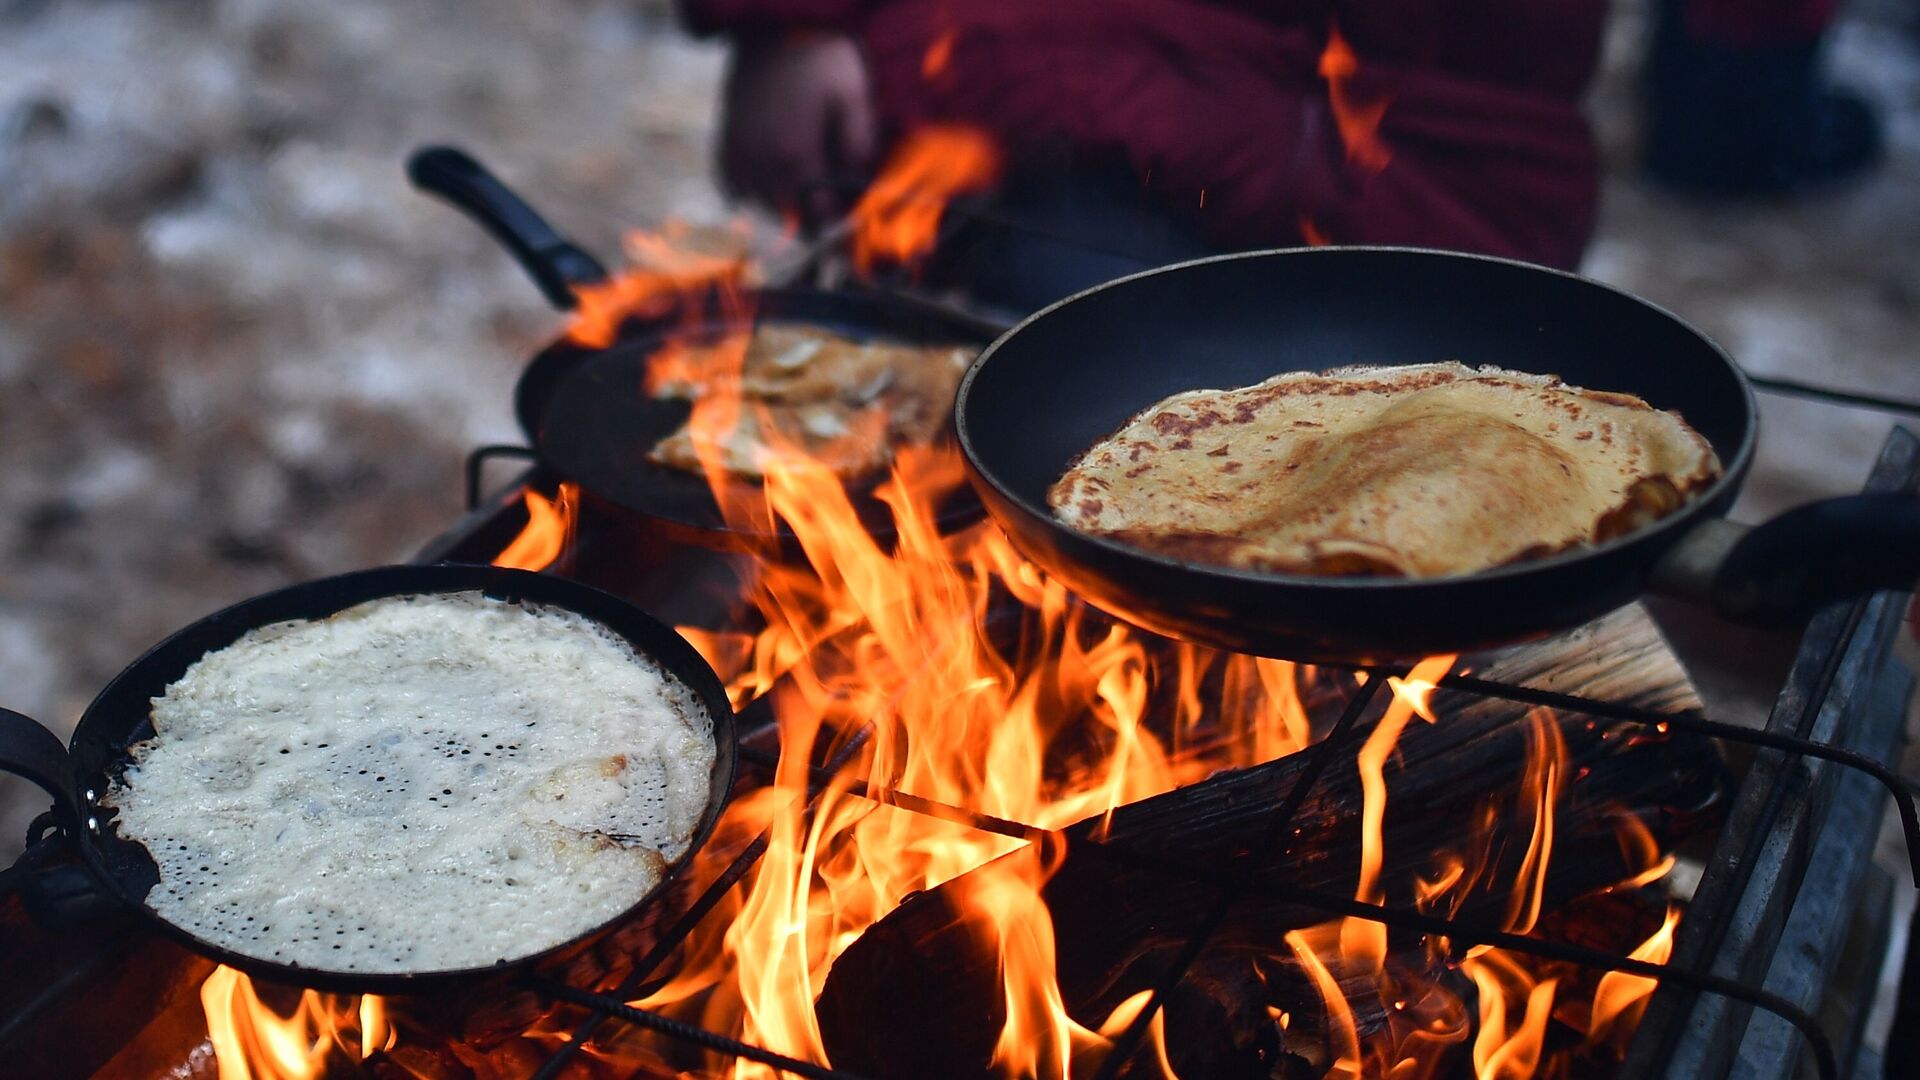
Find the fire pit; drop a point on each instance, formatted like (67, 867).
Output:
(983, 829)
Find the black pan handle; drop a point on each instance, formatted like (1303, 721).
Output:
(555, 263)
(30, 751)
(1785, 569)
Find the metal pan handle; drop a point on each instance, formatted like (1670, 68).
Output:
(31, 751)
(555, 263)
(1784, 569)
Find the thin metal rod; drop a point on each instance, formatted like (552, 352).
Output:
(632, 986)
(684, 926)
(1897, 786)
(1794, 388)
(667, 1025)
(1130, 1039)
(1243, 883)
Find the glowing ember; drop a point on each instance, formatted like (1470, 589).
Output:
(253, 1042)
(1358, 121)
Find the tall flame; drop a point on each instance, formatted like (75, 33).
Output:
(1621, 997)
(1503, 1050)
(253, 1042)
(549, 527)
(1540, 785)
(1358, 121)
(897, 220)
(959, 706)
(668, 269)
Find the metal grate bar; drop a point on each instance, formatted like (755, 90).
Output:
(1897, 786)
(633, 984)
(1232, 887)
(685, 1032)
(689, 920)
(1585, 957)
(1456, 930)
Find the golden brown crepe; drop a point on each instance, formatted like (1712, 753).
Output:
(844, 403)
(1419, 471)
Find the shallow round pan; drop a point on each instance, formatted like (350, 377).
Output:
(591, 419)
(1076, 371)
(585, 409)
(121, 716)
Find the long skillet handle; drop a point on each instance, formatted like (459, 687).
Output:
(30, 751)
(556, 264)
(1786, 568)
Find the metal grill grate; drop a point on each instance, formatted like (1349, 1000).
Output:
(612, 1007)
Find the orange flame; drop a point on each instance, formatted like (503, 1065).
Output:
(1501, 1052)
(938, 56)
(898, 218)
(253, 1042)
(1308, 947)
(1621, 997)
(1540, 785)
(897, 643)
(667, 269)
(1410, 696)
(949, 669)
(549, 527)
(1311, 233)
(1357, 121)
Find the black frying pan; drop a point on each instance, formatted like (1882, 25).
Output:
(1077, 370)
(77, 775)
(584, 408)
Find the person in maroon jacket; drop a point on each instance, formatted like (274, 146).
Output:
(1167, 128)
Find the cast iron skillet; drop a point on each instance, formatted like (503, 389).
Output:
(1075, 371)
(120, 717)
(584, 409)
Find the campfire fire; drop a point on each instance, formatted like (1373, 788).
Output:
(252, 1041)
(943, 667)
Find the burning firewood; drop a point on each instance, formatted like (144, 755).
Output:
(1459, 795)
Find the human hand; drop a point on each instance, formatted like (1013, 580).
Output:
(798, 112)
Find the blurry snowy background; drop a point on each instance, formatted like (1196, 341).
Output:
(236, 350)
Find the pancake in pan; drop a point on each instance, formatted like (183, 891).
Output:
(843, 403)
(1416, 471)
(415, 784)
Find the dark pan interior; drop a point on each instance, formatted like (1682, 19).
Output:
(120, 716)
(597, 421)
(1073, 373)
(1078, 371)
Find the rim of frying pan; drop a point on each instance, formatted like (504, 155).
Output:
(1732, 471)
(101, 743)
(690, 509)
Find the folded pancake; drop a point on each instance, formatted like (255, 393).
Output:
(806, 390)
(1418, 471)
